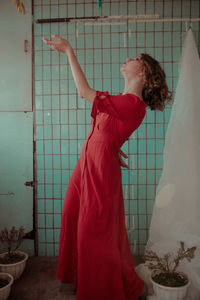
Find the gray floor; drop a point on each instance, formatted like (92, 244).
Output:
(39, 282)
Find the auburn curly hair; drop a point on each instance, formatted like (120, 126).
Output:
(155, 92)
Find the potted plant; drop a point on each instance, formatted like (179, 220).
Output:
(167, 281)
(6, 280)
(12, 261)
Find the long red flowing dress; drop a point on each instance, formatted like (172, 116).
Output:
(94, 247)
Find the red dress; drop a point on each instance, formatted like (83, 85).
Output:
(94, 246)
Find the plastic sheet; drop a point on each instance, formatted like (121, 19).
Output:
(176, 214)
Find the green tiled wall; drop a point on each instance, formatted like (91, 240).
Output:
(62, 119)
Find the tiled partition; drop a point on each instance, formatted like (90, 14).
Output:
(62, 119)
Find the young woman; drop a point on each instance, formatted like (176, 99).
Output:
(94, 252)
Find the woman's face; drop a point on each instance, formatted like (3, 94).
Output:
(131, 67)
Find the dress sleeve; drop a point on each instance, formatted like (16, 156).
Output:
(119, 106)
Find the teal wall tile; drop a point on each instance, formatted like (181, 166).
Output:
(39, 132)
(64, 162)
(159, 131)
(57, 191)
(47, 87)
(40, 162)
(40, 204)
(151, 131)
(56, 161)
(50, 250)
(149, 39)
(48, 189)
(158, 56)
(48, 147)
(133, 207)
(141, 206)
(41, 235)
(48, 161)
(64, 118)
(56, 147)
(56, 116)
(38, 87)
(64, 102)
(151, 191)
(64, 147)
(167, 54)
(54, 11)
(158, 175)
(64, 131)
(150, 146)
(142, 221)
(49, 220)
(47, 131)
(142, 236)
(49, 235)
(159, 145)
(142, 146)
(56, 131)
(150, 205)
(57, 209)
(41, 220)
(48, 176)
(40, 192)
(149, 220)
(40, 176)
(38, 58)
(150, 176)
(73, 162)
(133, 177)
(158, 39)
(47, 102)
(142, 161)
(150, 161)
(142, 191)
(49, 206)
(57, 220)
(45, 56)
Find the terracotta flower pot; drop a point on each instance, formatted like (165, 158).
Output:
(15, 269)
(5, 290)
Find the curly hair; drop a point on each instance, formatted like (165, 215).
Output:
(155, 92)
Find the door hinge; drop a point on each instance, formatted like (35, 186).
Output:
(29, 183)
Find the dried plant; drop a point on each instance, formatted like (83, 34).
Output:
(167, 264)
(13, 239)
(19, 6)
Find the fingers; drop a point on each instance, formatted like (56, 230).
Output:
(50, 43)
(122, 153)
(47, 41)
(122, 163)
(57, 37)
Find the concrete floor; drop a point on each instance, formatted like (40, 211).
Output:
(39, 282)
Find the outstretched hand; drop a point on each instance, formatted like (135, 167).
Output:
(59, 44)
(120, 154)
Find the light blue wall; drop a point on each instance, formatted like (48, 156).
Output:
(63, 119)
(16, 121)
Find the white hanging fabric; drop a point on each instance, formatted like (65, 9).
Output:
(176, 214)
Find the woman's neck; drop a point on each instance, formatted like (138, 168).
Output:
(132, 92)
(133, 88)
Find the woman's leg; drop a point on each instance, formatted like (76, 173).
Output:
(67, 260)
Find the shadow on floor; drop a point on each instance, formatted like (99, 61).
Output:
(39, 281)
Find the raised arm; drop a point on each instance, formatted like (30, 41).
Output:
(83, 88)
